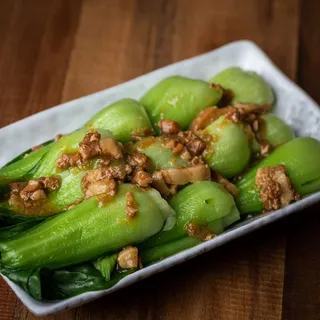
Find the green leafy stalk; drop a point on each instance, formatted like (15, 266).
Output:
(27, 279)
(179, 99)
(72, 281)
(124, 118)
(9, 218)
(63, 283)
(301, 158)
(17, 170)
(67, 144)
(17, 229)
(106, 265)
(160, 155)
(246, 86)
(275, 130)
(23, 154)
(70, 190)
(162, 251)
(204, 203)
(88, 231)
(228, 150)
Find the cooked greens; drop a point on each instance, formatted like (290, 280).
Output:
(125, 118)
(300, 157)
(245, 86)
(228, 150)
(143, 180)
(88, 231)
(179, 99)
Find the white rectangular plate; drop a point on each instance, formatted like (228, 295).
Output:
(293, 105)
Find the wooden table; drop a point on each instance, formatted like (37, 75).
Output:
(53, 51)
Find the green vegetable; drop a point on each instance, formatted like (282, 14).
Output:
(17, 170)
(179, 99)
(76, 250)
(8, 218)
(157, 253)
(4, 190)
(301, 157)
(228, 151)
(67, 144)
(106, 265)
(160, 155)
(72, 281)
(11, 231)
(204, 203)
(62, 283)
(275, 130)
(70, 190)
(246, 86)
(218, 226)
(123, 118)
(69, 282)
(29, 279)
(88, 231)
(22, 155)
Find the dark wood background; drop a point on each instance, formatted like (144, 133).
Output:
(53, 51)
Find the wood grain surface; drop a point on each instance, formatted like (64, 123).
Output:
(56, 50)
